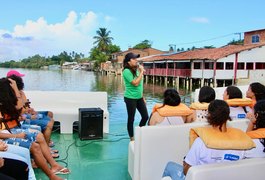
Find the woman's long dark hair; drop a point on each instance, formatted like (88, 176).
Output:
(259, 111)
(8, 100)
(126, 65)
(258, 89)
(218, 113)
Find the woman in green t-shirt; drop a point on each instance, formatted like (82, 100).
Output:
(133, 95)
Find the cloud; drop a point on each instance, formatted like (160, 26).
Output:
(202, 20)
(75, 33)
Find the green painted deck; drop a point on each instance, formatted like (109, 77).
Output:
(103, 159)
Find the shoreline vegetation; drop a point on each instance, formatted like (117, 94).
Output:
(100, 53)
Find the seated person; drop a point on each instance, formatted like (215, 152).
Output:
(206, 95)
(239, 107)
(256, 130)
(171, 112)
(12, 159)
(18, 153)
(43, 119)
(219, 148)
(256, 92)
(11, 105)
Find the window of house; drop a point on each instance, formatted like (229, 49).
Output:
(114, 56)
(255, 38)
(249, 66)
(170, 65)
(219, 65)
(229, 65)
(260, 65)
(208, 65)
(240, 65)
(197, 65)
(183, 65)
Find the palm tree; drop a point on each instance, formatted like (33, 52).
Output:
(103, 39)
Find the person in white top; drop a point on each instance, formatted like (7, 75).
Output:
(206, 95)
(199, 154)
(236, 112)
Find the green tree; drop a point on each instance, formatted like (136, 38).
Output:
(234, 42)
(64, 57)
(209, 47)
(102, 39)
(143, 45)
(112, 48)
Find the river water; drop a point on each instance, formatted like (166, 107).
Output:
(77, 80)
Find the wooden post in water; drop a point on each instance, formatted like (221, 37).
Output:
(146, 79)
(177, 82)
(187, 83)
(214, 83)
(202, 82)
(190, 83)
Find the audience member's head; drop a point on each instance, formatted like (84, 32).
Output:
(218, 113)
(256, 91)
(259, 111)
(19, 81)
(8, 99)
(206, 94)
(171, 97)
(232, 92)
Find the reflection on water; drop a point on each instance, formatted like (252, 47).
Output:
(76, 80)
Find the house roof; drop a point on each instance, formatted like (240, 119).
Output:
(202, 54)
(255, 30)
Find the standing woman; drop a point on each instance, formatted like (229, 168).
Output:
(133, 95)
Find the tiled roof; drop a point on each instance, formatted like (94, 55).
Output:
(203, 54)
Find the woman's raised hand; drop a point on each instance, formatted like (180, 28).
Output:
(13, 83)
(141, 68)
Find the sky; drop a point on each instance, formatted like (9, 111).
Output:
(50, 27)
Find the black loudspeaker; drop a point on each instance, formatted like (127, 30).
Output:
(90, 123)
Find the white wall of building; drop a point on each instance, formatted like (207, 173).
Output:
(257, 76)
(253, 55)
(205, 73)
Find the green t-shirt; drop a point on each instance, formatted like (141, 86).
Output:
(131, 91)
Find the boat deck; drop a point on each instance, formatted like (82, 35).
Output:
(102, 159)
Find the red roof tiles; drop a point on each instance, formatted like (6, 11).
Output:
(203, 54)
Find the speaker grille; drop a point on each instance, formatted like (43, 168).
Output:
(90, 123)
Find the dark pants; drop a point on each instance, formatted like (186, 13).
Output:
(15, 169)
(132, 105)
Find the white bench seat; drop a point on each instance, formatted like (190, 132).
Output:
(154, 146)
(65, 106)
